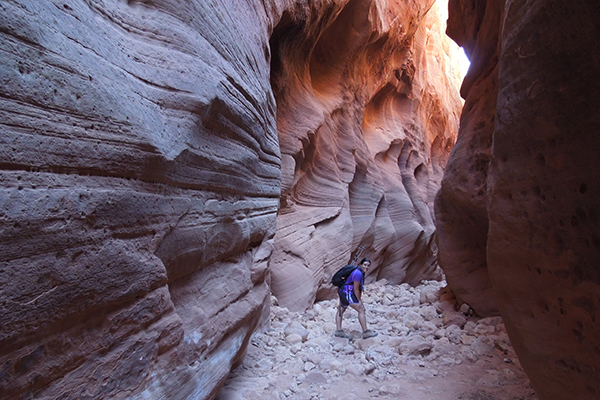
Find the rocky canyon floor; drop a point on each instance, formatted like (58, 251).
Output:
(425, 350)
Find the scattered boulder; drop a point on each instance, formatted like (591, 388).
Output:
(409, 351)
(297, 328)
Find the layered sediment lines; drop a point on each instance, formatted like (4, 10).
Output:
(155, 157)
(367, 112)
(140, 174)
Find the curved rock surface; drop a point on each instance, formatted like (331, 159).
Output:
(544, 236)
(140, 181)
(461, 203)
(141, 177)
(366, 121)
(540, 211)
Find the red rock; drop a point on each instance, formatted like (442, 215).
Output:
(461, 204)
(534, 229)
(543, 242)
(366, 123)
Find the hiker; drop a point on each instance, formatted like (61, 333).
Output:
(351, 295)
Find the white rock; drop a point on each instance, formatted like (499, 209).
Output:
(412, 320)
(428, 312)
(293, 338)
(355, 369)
(470, 327)
(467, 339)
(296, 348)
(393, 342)
(390, 390)
(454, 318)
(339, 346)
(416, 345)
(326, 363)
(308, 366)
(468, 354)
(296, 327)
(337, 365)
(369, 368)
(318, 343)
(264, 363)
(348, 349)
(315, 358)
(404, 301)
(329, 328)
(453, 333)
(428, 328)
(429, 295)
(482, 329)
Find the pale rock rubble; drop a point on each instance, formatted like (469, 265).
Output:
(425, 350)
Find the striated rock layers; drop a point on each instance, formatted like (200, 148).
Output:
(541, 209)
(366, 113)
(141, 175)
(140, 181)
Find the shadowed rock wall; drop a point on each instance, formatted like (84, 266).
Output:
(140, 181)
(541, 211)
(367, 113)
(461, 204)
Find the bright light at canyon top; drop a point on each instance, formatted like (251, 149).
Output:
(461, 61)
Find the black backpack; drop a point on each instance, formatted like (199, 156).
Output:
(339, 278)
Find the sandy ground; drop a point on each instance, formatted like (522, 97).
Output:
(425, 350)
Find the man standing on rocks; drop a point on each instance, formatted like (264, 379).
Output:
(351, 295)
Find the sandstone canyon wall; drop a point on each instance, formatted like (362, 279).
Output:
(535, 196)
(140, 171)
(142, 174)
(367, 110)
(461, 204)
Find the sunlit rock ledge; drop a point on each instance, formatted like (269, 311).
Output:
(367, 112)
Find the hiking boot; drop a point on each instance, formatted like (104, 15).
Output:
(367, 334)
(341, 333)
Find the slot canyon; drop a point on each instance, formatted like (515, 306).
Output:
(181, 178)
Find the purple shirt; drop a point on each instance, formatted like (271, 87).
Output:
(356, 276)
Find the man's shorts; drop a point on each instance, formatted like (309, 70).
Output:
(347, 297)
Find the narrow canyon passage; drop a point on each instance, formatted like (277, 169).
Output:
(179, 180)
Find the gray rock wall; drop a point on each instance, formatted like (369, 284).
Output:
(140, 180)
